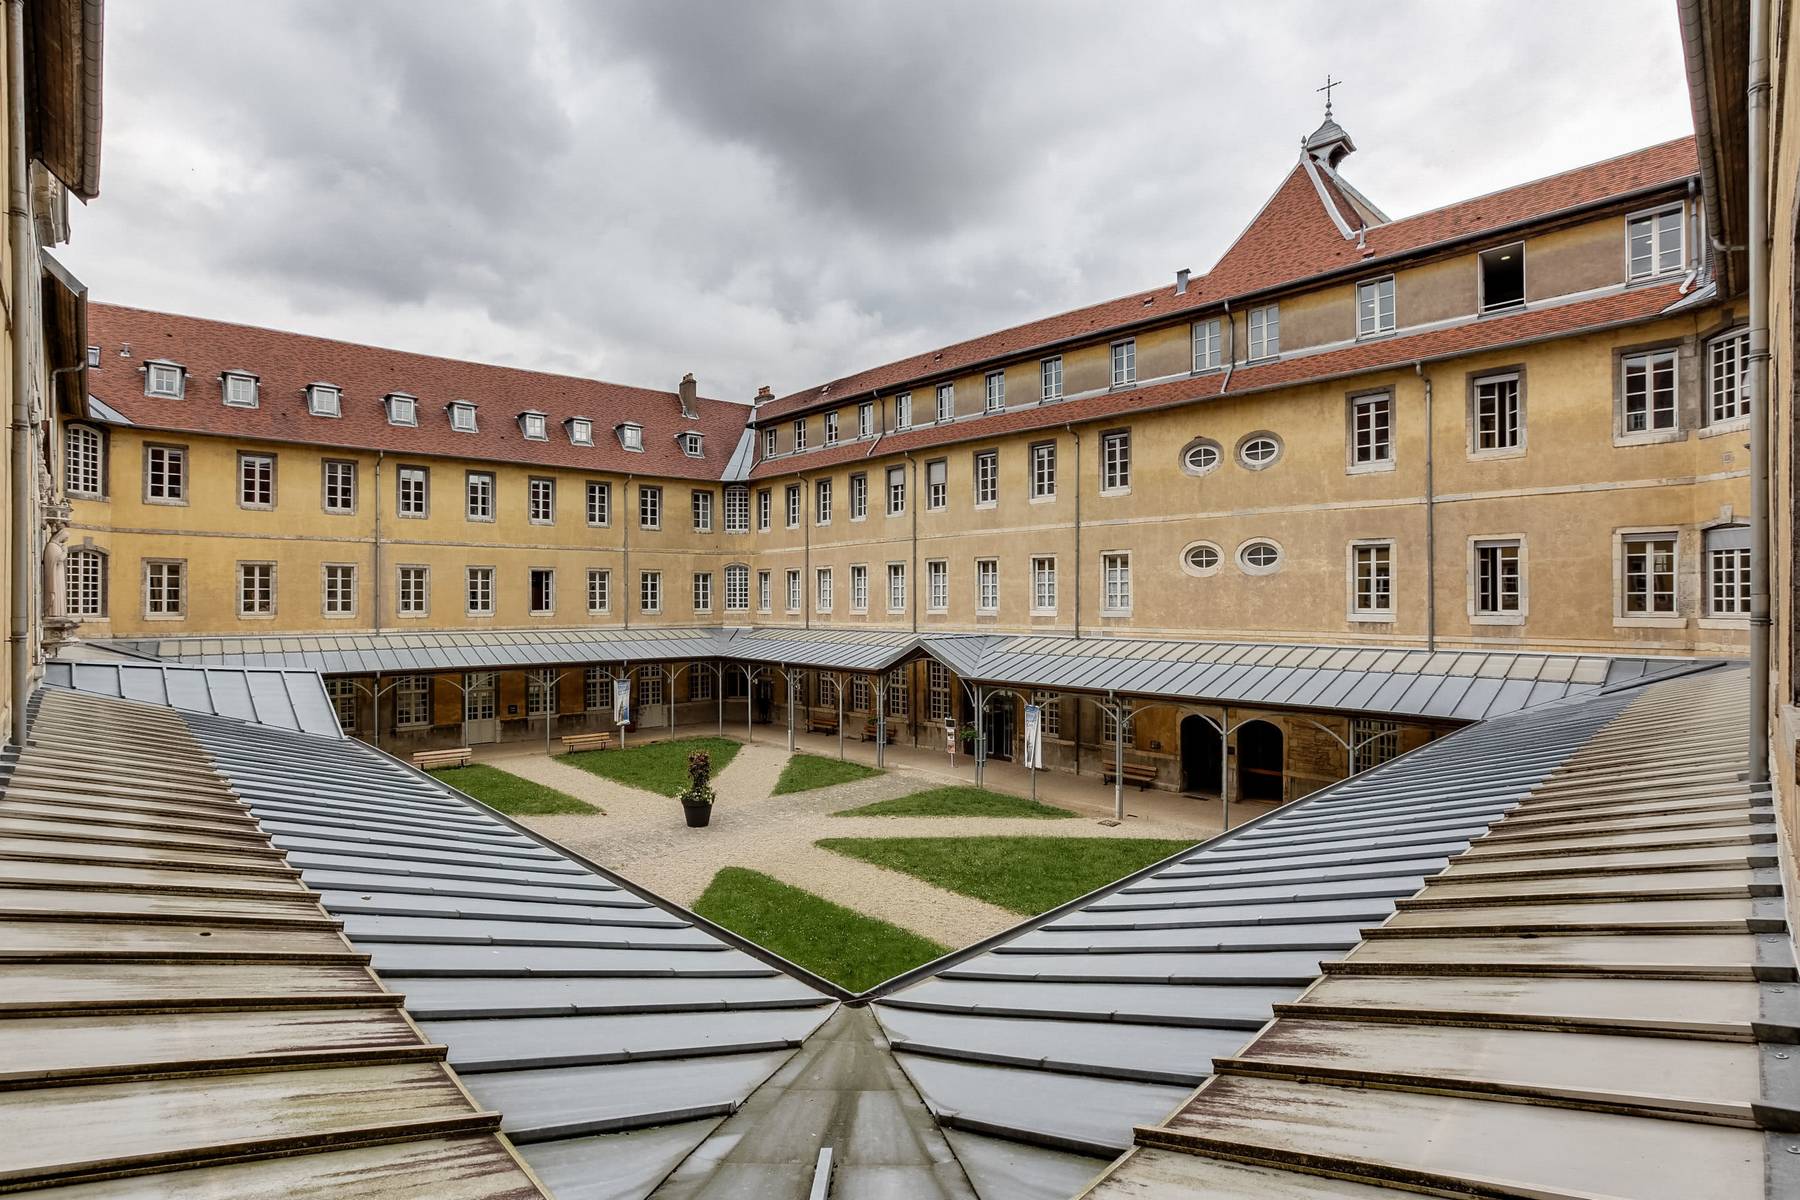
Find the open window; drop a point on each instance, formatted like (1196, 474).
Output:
(1503, 277)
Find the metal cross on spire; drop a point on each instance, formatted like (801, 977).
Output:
(1329, 84)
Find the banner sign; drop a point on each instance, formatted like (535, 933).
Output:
(1034, 737)
(951, 737)
(622, 702)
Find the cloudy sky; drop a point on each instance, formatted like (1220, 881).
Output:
(779, 192)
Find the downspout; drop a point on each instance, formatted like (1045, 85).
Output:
(806, 502)
(1758, 387)
(1071, 431)
(18, 235)
(375, 558)
(914, 584)
(1430, 518)
(625, 564)
(1231, 350)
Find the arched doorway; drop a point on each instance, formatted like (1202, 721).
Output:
(1202, 769)
(1260, 760)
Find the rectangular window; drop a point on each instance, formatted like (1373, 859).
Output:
(256, 481)
(859, 693)
(649, 507)
(1498, 417)
(164, 380)
(946, 402)
(413, 499)
(737, 510)
(631, 436)
(865, 419)
(899, 699)
(1653, 243)
(1727, 577)
(1650, 574)
(1496, 578)
(1115, 578)
(937, 487)
(650, 591)
(1375, 307)
(402, 409)
(165, 475)
(822, 502)
(1208, 349)
(762, 591)
(596, 689)
(1373, 570)
(83, 472)
(480, 590)
(323, 400)
(343, 702)
(937, 691)
(764, 505)
(341, 486)
(703, 511)
(987, 477)
(412, 702)
(800, 434)
(737, 588)
(987, 585)
(859, 497)
(462, 417)
(480, 493)
(1649, 390)
(859, 588)
(937, 585)
(823, 595)
(256, 589)
(535, 426)
(1372, 743)
(165, 588)
(599, 503)
(84, 574)
(650, 685)
(1124, 363)
(540, 692)
(543, 591)
(541, 501)
(581, 431)
(1050, 376)
(413, 597)
(1503, 278)
(599, 591)
(903, 411)
(1049, 713)
(1372, 430)
(769, 443)
(831, 428)
(1043, 586)
(896, 491)
(793, 591)
(792, 497)
(1727, 396)
(1115, 461)
(1265, 331)
(994, 392)
(240, 390)
(700, 681)
(702, 591)
(896, 579)
(1043, 471)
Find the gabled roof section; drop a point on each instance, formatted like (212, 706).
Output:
(284, 699)
(1292, 236)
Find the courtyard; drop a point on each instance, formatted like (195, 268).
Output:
(853, 871)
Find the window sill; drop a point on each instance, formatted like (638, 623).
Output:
(987, 504)
(147, 616)
(244, 616)
(1670, 622)
(1372, 618)
(1050, 499)
(1503, 452)
(1735, 425)
(1117, 491)
(1497, 619)
(1115, 612)
(479, 616)
(1724, 622)
(1043, 612)
(1654, 437)
(147, 500)
(1370, 468)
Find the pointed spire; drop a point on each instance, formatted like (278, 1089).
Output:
(1329, 144)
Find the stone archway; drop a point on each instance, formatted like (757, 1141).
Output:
(1261, 755)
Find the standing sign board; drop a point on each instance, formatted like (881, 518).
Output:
(1034, 737)
(622, 701)
(950, 739)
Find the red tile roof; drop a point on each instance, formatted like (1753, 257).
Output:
(1620, 308)
(287, 362)
(1291, 239)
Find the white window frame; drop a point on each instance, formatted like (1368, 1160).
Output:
(478, 591)
(1050, 379)
(1251, 439)
(764, 590)
(1371, 580)
(937, 585)
(257, 590)
(1115, 462)
(412, 590)
(339, 486)
(85, 582)
(865, 419)
(165, 380)
(1043, 585)
(239, 389)
(993, 392)
(903, 411)
(703, 591)
(256, 481)
(831, 428)
(987, 586)
(896, 491)
(793, 589)
(650, 591)
(478, 496)
(1656, 233)
(791, 501)
(1208, 345)
(1242, 556)
(599, 590)
(1115, 583)
(1648, 364)
(165, 589)
(1650, 614)
(859, 496)
(1725, 577)
(649, 507)
(896, 587)
(800, 433)
(824, 589)
(462, 417)
(1124, 363)
(540, 500)
(599, 503)
(1264, 326)
(337, 585)
(1727, 381)
(1497, 414)
(1493, 548)
(859, 587)
(1043, 471)
(84, 462)
(534, 426)
(1371, 421)
(937, 485)
(631, 437)
(737, 587)
(987, 478)
(701, 504)
(946, 403)
(548, 577)
(581, 431)
(324, 400)
(1375, 307)
(402, 409)
(412, 492)
(737, 509)
(412, 702)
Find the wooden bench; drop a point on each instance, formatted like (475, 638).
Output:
(587, 741)
(1136, 773)
(825, 723)
(435, 760)
(869, 732)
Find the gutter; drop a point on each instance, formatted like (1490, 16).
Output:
(1757, 381)
(1430, 517)
(624, 590)
(913, 582)
(1072, 433)
(24, 508)
(1693, 42)
(375, 556)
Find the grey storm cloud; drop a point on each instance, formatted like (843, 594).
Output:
(781, 192)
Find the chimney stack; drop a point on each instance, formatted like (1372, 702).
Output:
(688, 391)
(1181, 280)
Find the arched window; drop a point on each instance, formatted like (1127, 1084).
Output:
(87, 583)
(81, 462)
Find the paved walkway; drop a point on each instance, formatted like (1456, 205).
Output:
(643, 837)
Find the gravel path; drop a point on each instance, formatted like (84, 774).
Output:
(642, 837)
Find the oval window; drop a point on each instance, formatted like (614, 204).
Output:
(1259, 451)
(1200, 558)
(1259, 556)
(1200, 456)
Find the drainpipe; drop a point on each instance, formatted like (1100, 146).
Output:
(806, 520)
(1430, 519)
(375, 558)
(913, 583)
(1758, 376)
(1078, 567)
(1231, 350)
(625, 563)
(24, 507)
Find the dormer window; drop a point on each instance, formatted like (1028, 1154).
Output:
(581, 431)
(402, 409)
(164, 379)
(768, 443)
(93, 356)
(534, 426)
(240, 389)
(462, 416)
(324, 399)
(691, 445)
(631, 436)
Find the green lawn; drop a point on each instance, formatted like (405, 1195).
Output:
(957, 802)
(510, 794)
(845, 947)
(1025, 874)
(804, 772)
(657, 767)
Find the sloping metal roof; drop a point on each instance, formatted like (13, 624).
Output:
(1595, 998)
(285, 699)
(821, 649)
(178, 1015)
(612, 1030)
(1066, 1033)
(399, 653)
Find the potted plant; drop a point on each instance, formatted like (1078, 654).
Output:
(697, 799)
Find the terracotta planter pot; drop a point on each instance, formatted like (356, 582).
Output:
(698, 815)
